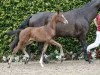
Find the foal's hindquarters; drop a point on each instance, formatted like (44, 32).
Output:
(23, 41)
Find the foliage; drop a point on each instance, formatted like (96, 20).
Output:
(13, 12)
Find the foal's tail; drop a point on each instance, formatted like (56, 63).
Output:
(14, 32)
(22, 26)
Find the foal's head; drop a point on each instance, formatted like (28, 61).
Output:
(59, 17)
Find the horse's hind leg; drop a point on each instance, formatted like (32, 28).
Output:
(82, 40)
(15, 42)
(44, 50)
(58, 45)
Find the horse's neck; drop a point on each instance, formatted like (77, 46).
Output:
(90, 13)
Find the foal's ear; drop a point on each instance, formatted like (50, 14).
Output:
(58, 11)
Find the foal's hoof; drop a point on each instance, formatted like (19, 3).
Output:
(9, 65)
(62, 58)
(25, 62)
(41, 65)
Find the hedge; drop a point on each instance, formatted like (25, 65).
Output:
(13, 12)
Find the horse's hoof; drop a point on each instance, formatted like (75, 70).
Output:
(89, 62)
(61, 60)
(45, 60)
(26, 60)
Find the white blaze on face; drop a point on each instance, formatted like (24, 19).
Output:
(65, 21)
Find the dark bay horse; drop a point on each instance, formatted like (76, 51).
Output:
(78, 26)
(41, 34)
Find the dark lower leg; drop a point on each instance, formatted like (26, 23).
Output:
(82, 39)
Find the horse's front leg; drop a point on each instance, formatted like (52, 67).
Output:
(60, 47)
(43, 52)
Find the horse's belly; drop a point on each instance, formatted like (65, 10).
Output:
(65, 31)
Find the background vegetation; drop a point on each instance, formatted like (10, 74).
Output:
(13, 12)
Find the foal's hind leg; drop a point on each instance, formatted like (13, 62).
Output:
(58, 45)
(20, 45)
(15, 50)
(44, 50)
(26, 56)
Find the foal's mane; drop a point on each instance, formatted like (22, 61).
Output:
(51, 23)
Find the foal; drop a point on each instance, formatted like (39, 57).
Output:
(40, 34)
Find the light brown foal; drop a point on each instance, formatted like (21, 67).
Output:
(41, 34)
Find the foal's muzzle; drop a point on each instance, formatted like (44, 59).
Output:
(65, 22)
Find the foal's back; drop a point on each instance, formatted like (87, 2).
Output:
(42, 33)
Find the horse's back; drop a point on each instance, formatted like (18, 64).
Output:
(39, 19)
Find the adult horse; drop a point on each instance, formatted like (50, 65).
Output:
(78, 26)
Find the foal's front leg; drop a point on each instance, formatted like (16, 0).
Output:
(44, 50)
(58, 45)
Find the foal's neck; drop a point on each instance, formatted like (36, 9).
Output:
(52, 24)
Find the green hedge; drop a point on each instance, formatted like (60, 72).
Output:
(13, 12)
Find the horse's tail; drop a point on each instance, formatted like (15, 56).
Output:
(25, 23)
(22, 26)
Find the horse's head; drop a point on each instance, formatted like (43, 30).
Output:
(59, 17)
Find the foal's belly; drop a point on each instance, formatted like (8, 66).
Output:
(39, 39)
